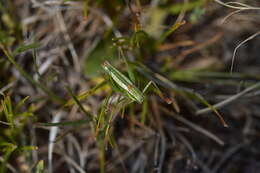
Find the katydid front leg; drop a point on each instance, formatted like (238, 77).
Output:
(166, 99)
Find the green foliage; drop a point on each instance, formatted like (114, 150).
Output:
(170, 31)
(25, 47)
(67, 123)
(104, 48)
(190, 5)
(10, 27)
(156, 20)
(196, 14)
(6, 39)
(138, 38)
(13, 121)
(85, 94)
(88, 115)
(40, 167)
(6, 149)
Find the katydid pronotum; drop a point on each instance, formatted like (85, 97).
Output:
(127, 85)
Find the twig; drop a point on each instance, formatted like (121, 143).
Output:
(198, 47)
(52, 136)
(229, 100)
(230, 14)
(160, 146)
(9, 166)
(238, 46)
(73, 163)
(6, 87)
(240, 6)
(227, 155)
(68, 39)
(194, 126)
(73, 140)
(127, 154)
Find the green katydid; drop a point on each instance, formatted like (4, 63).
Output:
(136, 95)
(126, 84)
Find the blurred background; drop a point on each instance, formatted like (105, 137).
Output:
(61, 112)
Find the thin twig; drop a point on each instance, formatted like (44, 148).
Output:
(71, 47)
(240, 6)
(52, 136)
(227, 156)
(9, 166)
(193, 126)
(229, 100)
(238, 46)
(6, 87)
(73, 163)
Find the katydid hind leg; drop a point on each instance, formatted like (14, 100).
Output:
(146, 87)
(158, 91)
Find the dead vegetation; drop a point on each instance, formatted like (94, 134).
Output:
(60, 112)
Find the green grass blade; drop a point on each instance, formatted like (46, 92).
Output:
(88, 115)
(25, 47)
(86, 94)
(40, 167)
(144, 111)
(101, 116)
(170, 31)
(21, 103)
(8, 149)
(8, 110)
(67, 123)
